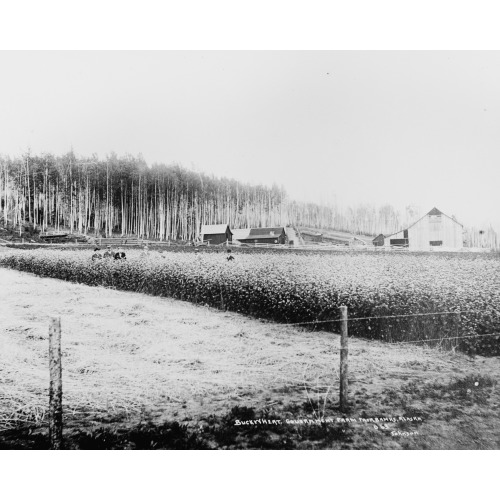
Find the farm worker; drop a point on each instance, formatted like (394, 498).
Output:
(108, 253)
(229, 257)
(120, 254)
(96, 255)
(145, 251)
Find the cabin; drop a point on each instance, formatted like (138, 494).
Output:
(379, 240)
(269, 235)
(216, 234)
(434, 231)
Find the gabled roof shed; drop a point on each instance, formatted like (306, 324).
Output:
(215, 234)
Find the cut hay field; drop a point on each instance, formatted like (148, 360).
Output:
(149, 372)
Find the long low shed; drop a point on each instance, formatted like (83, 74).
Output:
(270, 235)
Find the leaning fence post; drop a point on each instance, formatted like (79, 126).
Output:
(55, 387)
(343, 358)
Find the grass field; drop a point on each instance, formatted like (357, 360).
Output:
(154, 372)
(309, 287)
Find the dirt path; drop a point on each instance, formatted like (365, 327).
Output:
(135, 355)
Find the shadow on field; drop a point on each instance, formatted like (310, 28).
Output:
(459, 413)
(212, 433)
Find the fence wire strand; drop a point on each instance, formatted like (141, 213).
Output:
(448, 338)
(376, 317)
(497, 334)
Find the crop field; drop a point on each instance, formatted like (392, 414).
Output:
(144, 372)
(390, 297)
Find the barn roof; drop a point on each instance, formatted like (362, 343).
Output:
(268, 232)
(261, 232)
(240, 234)
(214, 228)
(434, 211)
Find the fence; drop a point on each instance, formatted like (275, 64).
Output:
(321, 247)
(344, 371)
(100, 242)
(55, 387)
(318, 247)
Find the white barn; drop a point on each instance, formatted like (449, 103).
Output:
(434, 231)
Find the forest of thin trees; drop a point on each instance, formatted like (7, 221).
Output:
(123, 195)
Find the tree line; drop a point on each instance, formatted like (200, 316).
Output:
(124, 195)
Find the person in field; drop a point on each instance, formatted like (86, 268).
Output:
(120, 254)
(229, 256)
(145, 251)
(108, 254)
(96, 255)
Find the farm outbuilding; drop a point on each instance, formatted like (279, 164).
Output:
(240, 234)
(357, 241)
(334, 237)
(312, 236)
(379, 240)
(270, 235)
(216, 234)
(434, 231)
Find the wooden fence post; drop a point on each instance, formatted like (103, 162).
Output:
(55, 387)
(343, 359)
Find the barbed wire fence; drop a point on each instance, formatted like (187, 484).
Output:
(55, 414)
(446, 341)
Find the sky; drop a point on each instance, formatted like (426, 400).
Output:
(354, 127)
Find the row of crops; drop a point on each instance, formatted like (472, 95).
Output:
(310, 287)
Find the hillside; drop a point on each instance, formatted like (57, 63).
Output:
(312, 235)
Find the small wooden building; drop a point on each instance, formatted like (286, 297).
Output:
(379, 240)
(434, 230)
(312, 236)
(216, 234)
(270, 235)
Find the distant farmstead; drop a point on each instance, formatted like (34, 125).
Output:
(216, 234)
(434, 231)
(269, 235)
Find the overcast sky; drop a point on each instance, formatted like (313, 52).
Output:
(405, 128)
